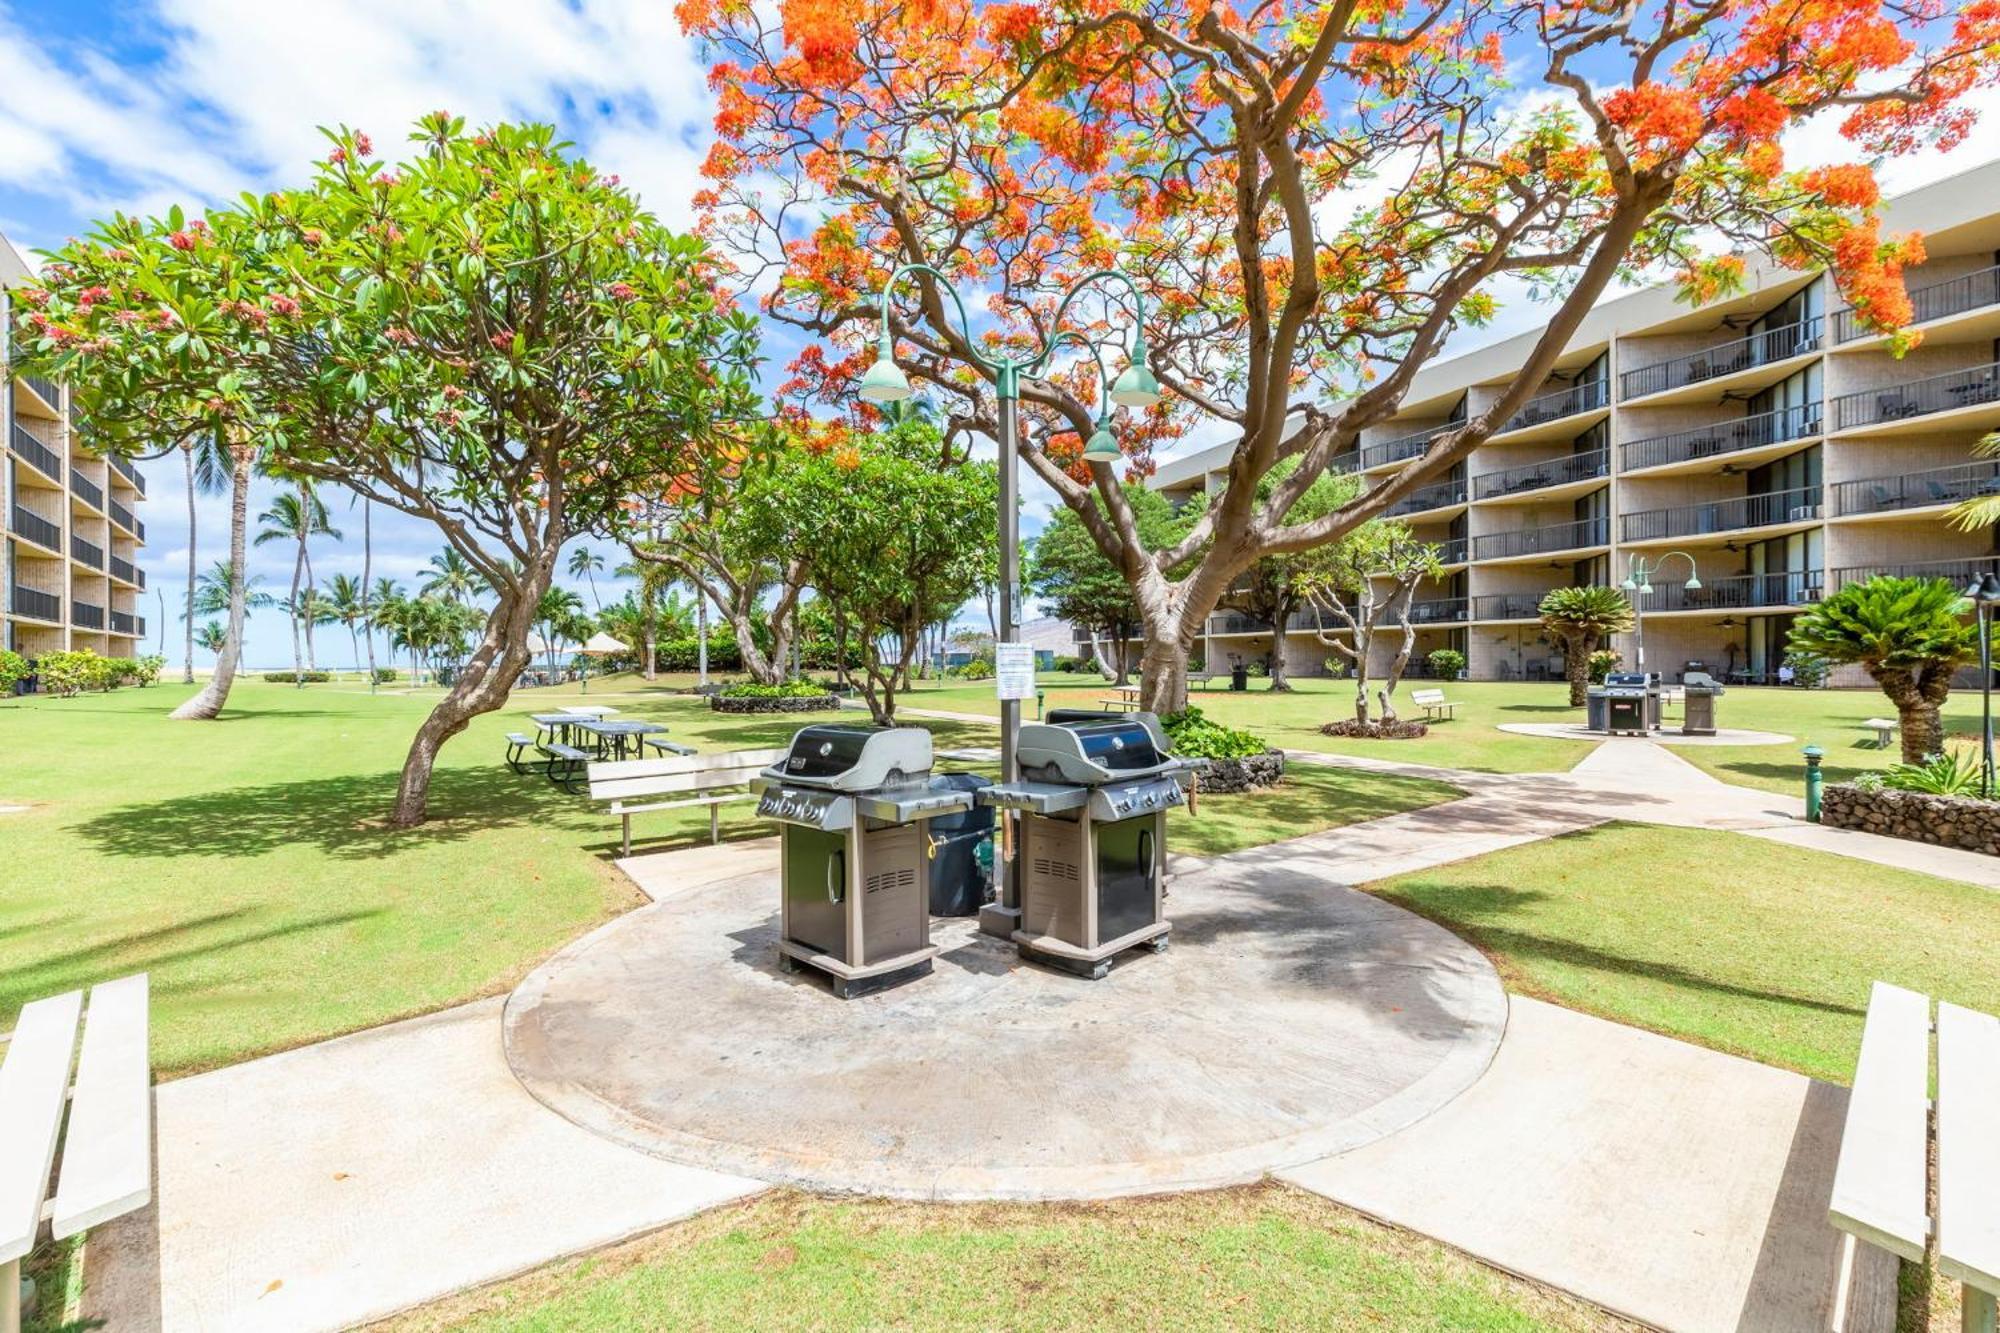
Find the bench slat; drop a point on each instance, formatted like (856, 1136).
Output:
(1969, 1147)
(33, 1084)
(1879, 1183)
(107, 1159)
(623, 789)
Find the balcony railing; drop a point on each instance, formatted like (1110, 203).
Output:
(1403, 446)
(1535, 541)
(1914, 490)
(1953, 296)
(36, 528)
(1438, 611)
(1759, 349)
(85, 616)
(42, 458)
(1938, 393)
(1792, 587)
(1957, 572)
(121, 568)
(90, 553)
(1744, 511)
(37, 605)
(123, 517)
(139, 577)
(51, 394)
(123, 467)
(1435, 496)
(86, 490)
(1451, 551)
(1235, 622)
(122, 622)
(1727, 437)
(1537, 476)
(1584, 397)
(1508, 606)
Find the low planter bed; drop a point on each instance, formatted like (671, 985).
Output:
(783, 703)
(1942, 821)
(1399, 730)
(1223, 777)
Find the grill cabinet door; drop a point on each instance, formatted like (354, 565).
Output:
(814, 861)
(1126, 853)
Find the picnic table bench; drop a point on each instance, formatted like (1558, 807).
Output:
(1436, 707)
(632, 786)
(1884, 729)
(106, 1146)
(1882, 1178)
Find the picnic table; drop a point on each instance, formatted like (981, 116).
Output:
(598, 711)
(562, 725)
(619, 740)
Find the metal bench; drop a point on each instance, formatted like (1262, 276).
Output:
(1436, 707)
(630, 785)
(518, 746)
(106, 1147)
(566, 765)
(1882, 1178)
(1884, 729)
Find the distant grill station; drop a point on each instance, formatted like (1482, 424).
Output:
(1093, 800)
(852, 802)
(1628, 702)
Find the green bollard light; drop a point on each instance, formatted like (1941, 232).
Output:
(1814, 778)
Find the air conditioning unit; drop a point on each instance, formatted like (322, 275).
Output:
(1801, 513)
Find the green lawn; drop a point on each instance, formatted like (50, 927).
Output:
(1310, 799)
(1736, 943)
(1264, 1257)
(1830, 719)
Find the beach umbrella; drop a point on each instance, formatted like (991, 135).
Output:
(599, 644)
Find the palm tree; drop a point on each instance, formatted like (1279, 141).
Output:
(1579, 618)
(207, 704)
(556, 614)
(347, 600)
(1908, 634)
(386, 593)
(1981, 511)
(297, 517)
(584, 564)
(207, 459)
(212, 592)
(367, 572)
(654, 580)
(310, 608)
(211, 637)
(452, 577)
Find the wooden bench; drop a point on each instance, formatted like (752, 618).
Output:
(1436, 707)
(107, 1145)
(1882, 1179)
(1884, 729)
(631, 785)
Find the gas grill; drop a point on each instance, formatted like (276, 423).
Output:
(1093, 800)
(1627, 702)
(852, 802)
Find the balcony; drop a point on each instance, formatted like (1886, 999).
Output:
(1540, 476)
(36, 528)
(1539, 541)
(1785, 588)
(1938, 393)
(1403, 447)
(1438, 611)
(1759, 349)
(1916, 490)
(1542, 408)
(37, 605)
(1957, 572)
(1435, 496)
(50, 393)
(1508, 606)
(123, 467)
(90, 553)
(1729, 437)
(37, 454)
(124, 622)
(1953, 296)
(1801, 505)
(122, 570)
(1451, 551)
(1235, 622)
(86, 490)
(123, 518)
(85, 616)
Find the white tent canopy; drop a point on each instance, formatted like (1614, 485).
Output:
(601, 644)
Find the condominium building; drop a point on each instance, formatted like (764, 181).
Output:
(1769, 446)
(72, 577)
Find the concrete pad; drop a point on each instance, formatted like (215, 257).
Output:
(661, 875)
(1668, 1183)
(341, 1182)
(1290, 1019)
(1944, 862)
(1576, 731)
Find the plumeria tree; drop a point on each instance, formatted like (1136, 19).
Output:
(1311, 199)
(1368, 576)
(492, 337)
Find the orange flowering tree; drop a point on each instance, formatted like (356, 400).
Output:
(1313, 196)
(491, 336)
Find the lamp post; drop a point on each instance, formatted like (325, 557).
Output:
(1639, 579)
(1984, 592)
(885, 382)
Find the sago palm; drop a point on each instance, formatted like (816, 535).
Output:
(1910, 635)
(1579, 618)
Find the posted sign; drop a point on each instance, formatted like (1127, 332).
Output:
(1013, 671)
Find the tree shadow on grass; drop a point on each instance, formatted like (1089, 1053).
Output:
(343, 817)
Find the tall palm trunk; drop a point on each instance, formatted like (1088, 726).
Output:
(305, 558)
(187, 665)
(208, 703)
(367, 572)
(298, 660)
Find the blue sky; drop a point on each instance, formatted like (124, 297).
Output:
(141, 104)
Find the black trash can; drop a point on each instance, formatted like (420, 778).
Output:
(1239, 677)
(958, 884)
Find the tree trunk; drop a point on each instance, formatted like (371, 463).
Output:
(1279, 667)
(367, 572)
(204, 706)
(1163, 674)
(1111, 671)
(701, 638)
(1576, 668)
(187, 667)
(1922, 727)
(481, 687)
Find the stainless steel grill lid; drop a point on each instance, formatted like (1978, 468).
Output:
(851, 758)
(1092, 752)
